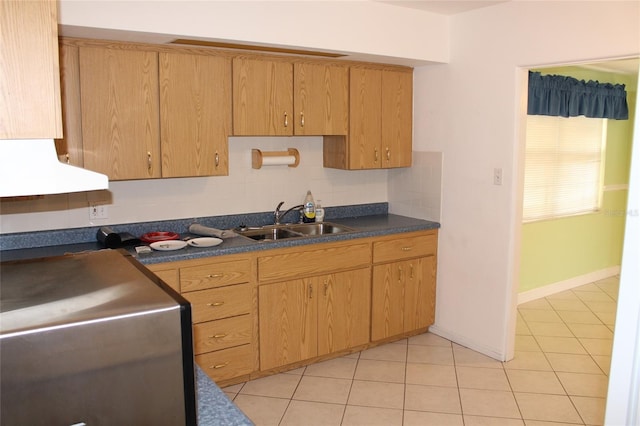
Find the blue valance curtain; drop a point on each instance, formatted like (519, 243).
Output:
(557, 95)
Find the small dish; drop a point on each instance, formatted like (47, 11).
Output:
(204, 242)
(168, 245)
(152, 237)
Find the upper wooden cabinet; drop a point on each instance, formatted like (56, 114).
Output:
(29, 72)
(262, 97)
(321, 99)
(195, 114)
(140, 113)
(380, 121)
(281, 98)
(120, 120)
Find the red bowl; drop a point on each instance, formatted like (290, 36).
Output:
(153, 237)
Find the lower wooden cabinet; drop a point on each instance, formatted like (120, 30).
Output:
(309, 317)
(403, 297)
(221, 293)
(271, 310)
(403, 291)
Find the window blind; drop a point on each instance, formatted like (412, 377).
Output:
(563, 166)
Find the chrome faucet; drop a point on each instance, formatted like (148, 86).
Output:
(278, 215)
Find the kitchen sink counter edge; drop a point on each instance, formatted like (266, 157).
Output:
(368, 220)
(363, 226)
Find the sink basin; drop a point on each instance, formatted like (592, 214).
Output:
(320, 228)
(298, 230)
(269, 234)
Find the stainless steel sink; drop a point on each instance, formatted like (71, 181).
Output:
(298, 230)
(320, 228)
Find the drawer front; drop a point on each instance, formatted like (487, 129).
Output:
(404, 248)
(227, 363)
(221, 334)
(218, 303)
(313, 262)
(214, 275)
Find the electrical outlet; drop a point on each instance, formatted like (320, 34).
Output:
(497, 176)
(98, 211)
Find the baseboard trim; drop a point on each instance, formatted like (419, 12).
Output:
(557, 287)
(467, 343)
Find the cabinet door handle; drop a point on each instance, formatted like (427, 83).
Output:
(326, 286)
(217, 159)
(286, 119)
(400, 273)
(218, 336)
(310, 291)
(375, 157)
(215, 275)
(67, 158)
(149, 163)
(302, 119)
(406, 248)
(219, 365)
(214, 304)
(411, 271)
(388, 154)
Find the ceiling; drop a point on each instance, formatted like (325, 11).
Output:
(443, 7)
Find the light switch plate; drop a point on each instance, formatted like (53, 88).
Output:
(98, 211)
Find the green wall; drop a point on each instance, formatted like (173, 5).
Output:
(559, 249)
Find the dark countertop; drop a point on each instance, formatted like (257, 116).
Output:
(213, 405)
(364, 226)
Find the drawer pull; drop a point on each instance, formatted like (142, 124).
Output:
(218, 336)
(215, 275)
(215, 367)
(406, 248)
(214, 304)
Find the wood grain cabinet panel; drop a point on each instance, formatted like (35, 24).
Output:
(288, 322)
(215, 274)
(29, 70)
(221, 334)
(403, 285)
(218, 303)
(321, 99)
(262, 97)
(69, 148)
(380, 121)
(120, 117)
(228, 363)
(195, 114)
(344, 307)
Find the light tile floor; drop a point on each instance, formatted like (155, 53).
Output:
(558, 377)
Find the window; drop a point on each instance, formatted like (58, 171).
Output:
(563, 166)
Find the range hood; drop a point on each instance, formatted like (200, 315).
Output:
(31, 167)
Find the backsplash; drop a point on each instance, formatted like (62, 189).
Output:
(245, 190)
(417, 191)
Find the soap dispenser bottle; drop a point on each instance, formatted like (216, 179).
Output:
(309, 210)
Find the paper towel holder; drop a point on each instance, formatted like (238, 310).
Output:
(290, 158)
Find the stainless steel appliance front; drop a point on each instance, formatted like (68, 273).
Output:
(95, 339)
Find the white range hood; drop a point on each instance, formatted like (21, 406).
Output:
(31, 167)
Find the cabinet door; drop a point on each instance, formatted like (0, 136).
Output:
(420, 293)
(364, 118)
(29, 73)
(69, 148)
(343, 310)
(119, 94)
(262, 97)
(288, 322)
(321, 101)
(387, 300)
(397, 112)
(195, 114)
